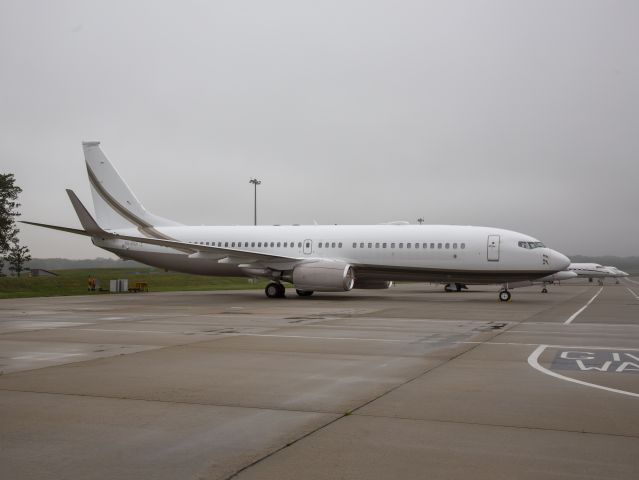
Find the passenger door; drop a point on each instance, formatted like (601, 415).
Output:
(493, 248)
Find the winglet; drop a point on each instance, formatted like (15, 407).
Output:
(87, 221)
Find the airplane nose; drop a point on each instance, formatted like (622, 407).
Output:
(559, 260)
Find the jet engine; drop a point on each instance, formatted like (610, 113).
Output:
(372, 284)
(324, 276)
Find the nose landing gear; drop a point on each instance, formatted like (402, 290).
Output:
(504, 295)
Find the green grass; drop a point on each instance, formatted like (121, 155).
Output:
(74, 282)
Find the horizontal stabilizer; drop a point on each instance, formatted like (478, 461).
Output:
(87, 221)
(56, 227)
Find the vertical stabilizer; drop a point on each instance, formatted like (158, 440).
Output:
(116, 206)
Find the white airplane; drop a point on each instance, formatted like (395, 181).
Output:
(590, 271)
(322, 258)
(616, 273)
(548, 280)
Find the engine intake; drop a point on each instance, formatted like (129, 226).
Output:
(324, 276)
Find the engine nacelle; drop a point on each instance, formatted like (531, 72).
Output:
(372, 284)
(324, 277)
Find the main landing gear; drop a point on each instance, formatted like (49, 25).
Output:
(504, 295)
(275, 290)
(544, 290)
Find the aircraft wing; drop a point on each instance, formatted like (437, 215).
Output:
(230, 255)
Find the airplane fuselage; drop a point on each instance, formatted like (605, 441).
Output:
(384, 252)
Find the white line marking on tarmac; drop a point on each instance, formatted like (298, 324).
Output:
(411, 340)
(628, 280)
(516, 344)
(633, 293)
(125, 331)
(321, 338)
(574, 315)
(533, 361)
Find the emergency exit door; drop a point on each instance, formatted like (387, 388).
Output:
(308, 246)
(493, 248)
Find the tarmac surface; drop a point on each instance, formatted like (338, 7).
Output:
(410, 382)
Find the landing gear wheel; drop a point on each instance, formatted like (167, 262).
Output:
(459, 286)
(504, 295)
(304, 293)
(275, 290)
(544, 290)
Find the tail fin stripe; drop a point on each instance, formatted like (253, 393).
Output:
(144, 227)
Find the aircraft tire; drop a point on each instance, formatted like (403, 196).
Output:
(304, 293)
(504, 295)
(275, 290)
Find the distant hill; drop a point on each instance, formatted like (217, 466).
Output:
(67, 264)
(628, 264)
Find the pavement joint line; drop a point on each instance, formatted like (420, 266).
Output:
(633, 293)
(533, 361)
(576, 314)
(173, 402)
(311, 337)
(352, 411)
(495, 425)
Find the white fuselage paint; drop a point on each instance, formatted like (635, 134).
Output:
(589, 270)
(389, 252)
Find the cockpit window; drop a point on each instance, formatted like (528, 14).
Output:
(531, 245)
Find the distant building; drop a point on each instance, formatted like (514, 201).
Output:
(41, 272)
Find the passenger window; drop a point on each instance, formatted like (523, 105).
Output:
(272, 244)
(226, 244)
(408, 245)
(279, 244)
(417, 245)
(447, 246)
(401, 245)
(432, 245)
(207, 243)
(454, 246)
(354, 244)
(259, 244)
(333, 245)
(308, 244)
(285, 244)
(299, 244)
(370, 245)
(439, 245)
(252, 244)
(361, 245)
(319, 245)
(384, 245)
(377, 245)
(392, 245)
(463, 245)
(425, 245)
(339, 245)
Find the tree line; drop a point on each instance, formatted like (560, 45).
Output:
(11, 251)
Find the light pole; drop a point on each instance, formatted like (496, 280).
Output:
(255, 183)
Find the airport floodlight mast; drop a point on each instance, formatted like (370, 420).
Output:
(255, 183)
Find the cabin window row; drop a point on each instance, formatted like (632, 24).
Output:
(401, 245)
(251, 244)
(407, 245)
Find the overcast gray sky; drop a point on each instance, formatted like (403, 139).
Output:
(514, 114)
